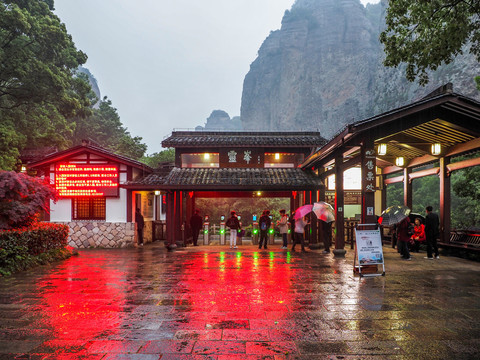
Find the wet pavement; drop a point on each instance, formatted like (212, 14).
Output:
(215, 303)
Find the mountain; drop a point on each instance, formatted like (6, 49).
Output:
(220, 120)
(323, 69)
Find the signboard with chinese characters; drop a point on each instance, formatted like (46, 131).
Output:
(80, 180)
(242, 158)
(369, 247)
(368, 171)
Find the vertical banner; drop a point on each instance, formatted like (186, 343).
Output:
(368, 171)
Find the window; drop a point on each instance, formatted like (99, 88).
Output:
(283, 160)
(88, 208)
(202, 160)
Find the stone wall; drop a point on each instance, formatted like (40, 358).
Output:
(101, 234)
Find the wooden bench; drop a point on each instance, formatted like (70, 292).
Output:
(465, 239)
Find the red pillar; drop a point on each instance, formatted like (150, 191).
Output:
(445, 201)
(407, 189)
(339, 250)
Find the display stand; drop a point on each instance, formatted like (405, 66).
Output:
(368, 250)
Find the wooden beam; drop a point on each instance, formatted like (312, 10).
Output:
(463, 164)
(391, 169)
(423, 173)
(394, 180)
(464, 147)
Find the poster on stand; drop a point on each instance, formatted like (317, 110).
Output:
(369, 247)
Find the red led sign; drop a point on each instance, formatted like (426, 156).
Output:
(75, 180)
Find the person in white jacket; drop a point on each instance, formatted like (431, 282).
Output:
(283, 227)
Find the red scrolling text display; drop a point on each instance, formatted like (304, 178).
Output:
(72, 180)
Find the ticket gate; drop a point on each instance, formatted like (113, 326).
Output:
(206, 231)
(222, 230)
(271, 234)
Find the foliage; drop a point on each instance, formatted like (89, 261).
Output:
(425, 34)
(425, 192)
(38, 89)
(31, 246)
(159, 157)
(104, 127)
(466, 198)
(394, 194)
(21, 199)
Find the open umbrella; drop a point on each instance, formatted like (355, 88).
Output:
(413, 216)
(393, 215)
(324, 211)
(303, 210)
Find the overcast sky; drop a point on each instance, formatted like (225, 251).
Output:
(167, 64)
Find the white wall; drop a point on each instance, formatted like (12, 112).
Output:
(116, 208)
(61, 211)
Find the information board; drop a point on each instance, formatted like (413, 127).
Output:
(369, 247)
(78, 180)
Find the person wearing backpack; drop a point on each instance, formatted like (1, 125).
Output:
(264, 224)
(234, 226)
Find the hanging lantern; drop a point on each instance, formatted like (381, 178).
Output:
(382, 149)
(436, 149)
(400, 161)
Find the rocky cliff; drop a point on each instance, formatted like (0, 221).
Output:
(323, 69)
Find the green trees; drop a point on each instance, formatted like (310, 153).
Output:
(43, 100)
(38, 91)
(158, 157)
(425, 34)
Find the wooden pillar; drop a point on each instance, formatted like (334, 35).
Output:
(384, 192)
(177, 215)
(314, 221)
(445, 201)
(339, 250)
(407, 189)
(368, 161)
(170, 222)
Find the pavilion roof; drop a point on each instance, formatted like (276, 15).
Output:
(243, 139)
(230, 179)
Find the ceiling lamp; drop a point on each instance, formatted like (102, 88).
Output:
(206, 156)
(436, 149)
(277, 156)
(400, 161)
(382, 149)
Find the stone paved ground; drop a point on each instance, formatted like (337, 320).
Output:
(212, 303)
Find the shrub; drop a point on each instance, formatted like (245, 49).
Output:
(26, 247)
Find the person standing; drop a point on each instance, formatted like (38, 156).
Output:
(432, 224)
(234, 226)
(196, 223)
(140, 222)
(299, 231)
(327, 236)
(264, 224)
(283, 227)
(404, 238)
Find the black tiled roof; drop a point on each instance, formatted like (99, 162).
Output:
(231, 178)
(243, 139)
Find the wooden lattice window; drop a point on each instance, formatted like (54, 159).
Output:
(88, 208)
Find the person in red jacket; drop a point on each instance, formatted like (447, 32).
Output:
(418, 234)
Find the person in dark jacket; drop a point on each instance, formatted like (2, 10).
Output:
(140, 225)
(234, 226)
(432, 224)
(196, 223)
(264, 224)
(404, 238)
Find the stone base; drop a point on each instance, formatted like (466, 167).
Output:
(93, 234)
(339, 253)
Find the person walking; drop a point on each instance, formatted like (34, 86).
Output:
(140, 222)
(404, 238)
(418, 234)
(299, 231)
(264, 224)
(283, 227)
(327, 236)
(432, 224)
(196, 223)
(234, 226)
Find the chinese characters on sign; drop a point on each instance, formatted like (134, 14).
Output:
(242, 158)
(74, 180)
(368, 171)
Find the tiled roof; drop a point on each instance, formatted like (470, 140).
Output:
(231, 178)
(243, 139)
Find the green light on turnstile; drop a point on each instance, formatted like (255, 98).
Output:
(222, 231)
(289, 231)
(255, 231)
(271, 231)
(205, 231)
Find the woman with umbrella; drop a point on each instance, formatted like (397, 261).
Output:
(404, 238)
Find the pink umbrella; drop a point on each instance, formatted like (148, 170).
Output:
(303, 210)
(324, 211)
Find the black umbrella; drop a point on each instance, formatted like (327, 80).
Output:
(413, 216)
(393, 215)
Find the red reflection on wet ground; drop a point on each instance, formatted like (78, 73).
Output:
(80, 302)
